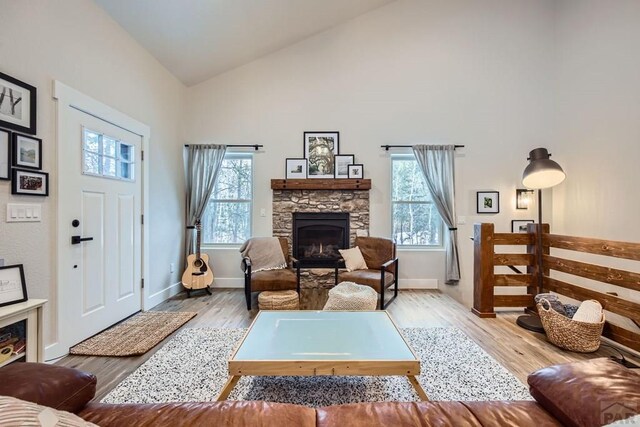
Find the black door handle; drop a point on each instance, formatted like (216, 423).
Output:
(75, 240)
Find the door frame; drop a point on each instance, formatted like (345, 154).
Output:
(68, 98)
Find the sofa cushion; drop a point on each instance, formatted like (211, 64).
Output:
(58, 387)
(397, 414)
(16, 412)
(353, 259)
(225, 413)
(589, 393)
(512, 413)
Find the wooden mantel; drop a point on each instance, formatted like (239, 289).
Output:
(321, 184)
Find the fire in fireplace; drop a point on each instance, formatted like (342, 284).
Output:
(317, 236)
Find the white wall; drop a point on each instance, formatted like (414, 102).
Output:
(598, 118)
(75, 42)
(413, 71)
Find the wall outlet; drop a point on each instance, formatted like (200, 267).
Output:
(1, 262)
(263, 212)
(462, 220)
(172, 268)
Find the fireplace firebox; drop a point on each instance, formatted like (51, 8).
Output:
(317, 236)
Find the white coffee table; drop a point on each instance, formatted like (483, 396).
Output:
(309, 343)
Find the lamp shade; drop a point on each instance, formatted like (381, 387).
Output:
(542, 172)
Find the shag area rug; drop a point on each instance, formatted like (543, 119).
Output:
(192, 367)
(136, 335)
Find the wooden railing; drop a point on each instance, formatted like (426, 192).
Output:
(486, 280)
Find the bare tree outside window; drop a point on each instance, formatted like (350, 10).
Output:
(416, 221)
(227, 219)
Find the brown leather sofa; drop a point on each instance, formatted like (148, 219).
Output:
(590, 393)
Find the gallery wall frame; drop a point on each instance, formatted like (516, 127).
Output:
(320, 147)
(29, 182)
(520, 225)
(5, 155)
(17, 105)
(26, 151)
(487, 202)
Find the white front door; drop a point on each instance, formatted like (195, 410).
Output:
(99, 224)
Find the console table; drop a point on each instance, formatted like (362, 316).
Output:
(31, 311)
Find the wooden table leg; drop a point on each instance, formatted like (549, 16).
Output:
(416, 385)
(228, 387)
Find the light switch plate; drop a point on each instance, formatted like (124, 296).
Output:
(22, 212)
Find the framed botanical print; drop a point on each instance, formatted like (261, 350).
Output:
(27, 151)
(341, 165)
(356, 171)
(488, 202)
(17, 105)
(320, 149)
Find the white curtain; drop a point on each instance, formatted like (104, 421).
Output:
(201, 167)
(437, 164)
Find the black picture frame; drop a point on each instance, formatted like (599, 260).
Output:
(339, 162)
(10, 116)
(353, 171)
(20, 186)
(320, 147)
(17, 160)
(518, 224)
(5, 155)
(296, 168)
(523, 198)
(10, 291)
(487, 202)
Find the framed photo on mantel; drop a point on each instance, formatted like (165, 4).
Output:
(296, 169)
(320, 149)
(342, 162)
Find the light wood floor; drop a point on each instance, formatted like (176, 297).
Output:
(520, 351)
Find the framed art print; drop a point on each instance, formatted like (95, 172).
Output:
(342, 162)
(520, 225)
(27, 152)
(29, 182)
(320, 149)
(488, 202)
(13, 288)
(17, 105)
(296, 169)
(356, 171)
(5, 154)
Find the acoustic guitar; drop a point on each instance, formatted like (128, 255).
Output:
(198, 274)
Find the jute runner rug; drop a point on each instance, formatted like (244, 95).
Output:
(134, 336)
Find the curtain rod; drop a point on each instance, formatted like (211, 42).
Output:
(387, 147)
(255, 146)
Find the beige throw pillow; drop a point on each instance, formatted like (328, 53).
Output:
(353, 259)
(16, 412)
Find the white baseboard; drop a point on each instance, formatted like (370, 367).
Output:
(162, 295)
(418, 284)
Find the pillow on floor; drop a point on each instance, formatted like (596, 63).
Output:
(16, 412)
(353, 259)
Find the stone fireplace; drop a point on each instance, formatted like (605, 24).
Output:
(287, 202)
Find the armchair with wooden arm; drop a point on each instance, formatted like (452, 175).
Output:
(382, 271)
(271, 280)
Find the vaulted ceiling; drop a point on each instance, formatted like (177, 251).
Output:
(198, 39)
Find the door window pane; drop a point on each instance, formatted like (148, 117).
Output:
(107, 157)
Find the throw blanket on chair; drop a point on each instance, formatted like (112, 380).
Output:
(265, 253)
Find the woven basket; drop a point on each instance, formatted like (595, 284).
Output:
(567, 333)
(278, 300)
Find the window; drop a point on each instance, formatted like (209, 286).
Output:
(416, 221)
(227, 218)
(107, 157)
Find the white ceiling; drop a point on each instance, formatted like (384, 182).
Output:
(198, 39)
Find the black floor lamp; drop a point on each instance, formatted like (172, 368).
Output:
(541, 172)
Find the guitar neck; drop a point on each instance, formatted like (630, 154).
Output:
(198, 240)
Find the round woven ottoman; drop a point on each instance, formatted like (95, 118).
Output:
(351, 296)
(278, 300)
